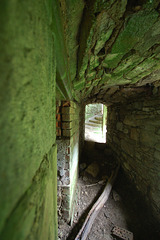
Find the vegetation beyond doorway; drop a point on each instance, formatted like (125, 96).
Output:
(95, 122)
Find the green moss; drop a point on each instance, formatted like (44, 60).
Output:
(27, 96)
(127, 64)
(37, 209)
(79, 85)
(94, 62)
(151, 38)
(135, 29)
(147, 64)
(95, 82)
(72, 13)
(103, 39)
(63, 72)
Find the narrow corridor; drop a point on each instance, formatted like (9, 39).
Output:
(56, 58)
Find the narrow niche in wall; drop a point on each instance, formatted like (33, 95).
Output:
(95, 122)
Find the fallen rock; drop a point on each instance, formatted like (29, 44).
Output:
(116, 196)
(93, 169)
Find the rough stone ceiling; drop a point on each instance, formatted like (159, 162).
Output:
(112, 47)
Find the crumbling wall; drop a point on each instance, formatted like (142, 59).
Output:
(134, 136)
(27, 124)
(67, 156)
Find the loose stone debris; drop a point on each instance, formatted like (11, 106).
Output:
(123, 208)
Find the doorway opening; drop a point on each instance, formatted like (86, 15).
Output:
(95, 122)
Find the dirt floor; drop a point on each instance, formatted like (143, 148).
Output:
(125, 207)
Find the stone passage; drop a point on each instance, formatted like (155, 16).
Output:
(74, 52)
(67, 156)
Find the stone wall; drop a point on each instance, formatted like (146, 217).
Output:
(82, 128)
(134, 136)
(67, 156)
(27, 124)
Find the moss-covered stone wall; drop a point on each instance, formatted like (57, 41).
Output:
(27, 122)
(91, 49)
(134, 136)
(118, 45)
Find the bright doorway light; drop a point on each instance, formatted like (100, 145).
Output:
(95, 122)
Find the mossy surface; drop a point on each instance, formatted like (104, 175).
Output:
(117, 47)
(27, 123)
(35, 213)
(85, 47)
(134, 31)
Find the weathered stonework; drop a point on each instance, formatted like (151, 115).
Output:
(67, 158)
(133, 134)
(77, 51)
(117, 48)
(28, 202)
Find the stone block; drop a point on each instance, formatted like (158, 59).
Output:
(68, 110)
(93, 169)
(58, 132)
(125, 130)
(157, 146)
(148, 109)
(67, 174)
(67, 165)
(67, 157)
(67, 125)
(116, 139)
(66, 117)
(68, 150)
(137, 105)
(126, 166)
(119, 126)
(148, 138)
(67, 132)
(158, 132)
(134, 134)
(157, 155)
(59, 200)
(65, 204)
(128, 147)
(73, 104)
(66, 215)
(66, 181)
(130, 120)
(158, 111)
(66, 190)
(69, 117)
(58, 103)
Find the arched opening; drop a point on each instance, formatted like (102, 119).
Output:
(95, 122)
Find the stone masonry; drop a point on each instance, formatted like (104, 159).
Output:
(134, 136)
(67, 156)
(73, 52)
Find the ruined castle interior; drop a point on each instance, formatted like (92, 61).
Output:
(56, 57)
